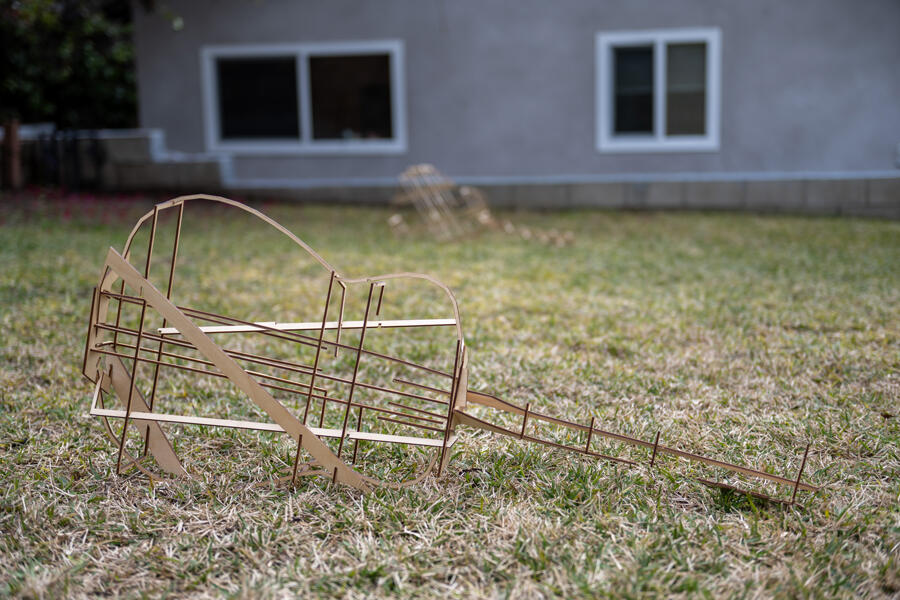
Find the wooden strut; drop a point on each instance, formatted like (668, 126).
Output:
(105, 364)
(655, 444)
(169, 297)
(362, 337)
(449, 428)
(315, 367)
(134, 367)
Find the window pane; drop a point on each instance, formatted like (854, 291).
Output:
(351, 97)
(686, 89)
(258, 98)
(633, 106)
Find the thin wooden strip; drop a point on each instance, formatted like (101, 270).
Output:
(362, 338)
(313, 326)
(89, 338)
(156, 417)
(400, 439)
(416, 425)
(419, 385)
(315, 367)
(172, 264)
(467, 419)
(419, 410)
(450, 405)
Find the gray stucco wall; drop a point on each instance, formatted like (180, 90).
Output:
(503, 92)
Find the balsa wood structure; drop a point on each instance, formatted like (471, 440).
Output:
(347, 403)
(450, 211)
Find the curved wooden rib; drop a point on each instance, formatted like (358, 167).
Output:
(315, 255)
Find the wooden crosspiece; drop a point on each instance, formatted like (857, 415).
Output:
(450, 211)
(392, 401)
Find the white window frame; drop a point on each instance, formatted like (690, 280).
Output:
(658, 141)
(304, 144)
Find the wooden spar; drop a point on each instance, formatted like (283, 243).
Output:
(315, 367)
(448, 430)
(408, 424)
(137, 345)
(419, 385)
(337, 337)
(418, 410)
(359, 414)
(467, 419)
(297, 458)
(655, 445)
(282, 388)
(312, 326)
(362, 338)
(156, 417)
(89, 338)
(381, 297)
(118, 382)
(800, 474)
(169, 297)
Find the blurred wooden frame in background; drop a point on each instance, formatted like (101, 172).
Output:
(452, 212)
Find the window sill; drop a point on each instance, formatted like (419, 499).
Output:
(609, 146)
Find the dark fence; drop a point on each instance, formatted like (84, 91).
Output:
(71, 159)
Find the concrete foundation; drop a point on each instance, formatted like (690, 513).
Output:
(138, 160)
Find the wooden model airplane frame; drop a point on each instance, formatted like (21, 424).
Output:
(450, 211)
(116, 353)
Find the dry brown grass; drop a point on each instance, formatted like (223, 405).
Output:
(740, 334)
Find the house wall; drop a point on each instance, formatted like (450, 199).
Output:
(504, 93)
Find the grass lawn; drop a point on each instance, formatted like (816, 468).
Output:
(744, 336)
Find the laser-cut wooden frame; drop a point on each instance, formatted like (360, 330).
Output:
(450, 211)
(433, 412)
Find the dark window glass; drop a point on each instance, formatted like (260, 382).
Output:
(686, 89)
(258, 98)
(633, 73)
(351, 97)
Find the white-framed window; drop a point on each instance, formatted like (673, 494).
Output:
(310, 98)
(658, 90)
